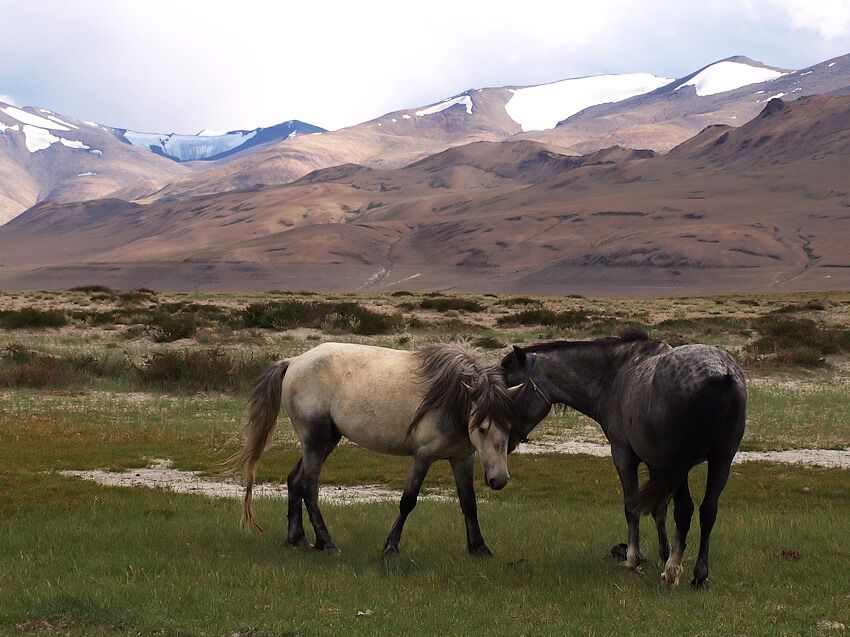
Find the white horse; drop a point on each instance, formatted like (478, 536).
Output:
(440, 402)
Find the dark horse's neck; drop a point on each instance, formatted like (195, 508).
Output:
(580, 374)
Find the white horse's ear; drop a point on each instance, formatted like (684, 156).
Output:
(514, 391)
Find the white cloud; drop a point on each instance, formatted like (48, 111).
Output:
(829, 18)
(165, 66)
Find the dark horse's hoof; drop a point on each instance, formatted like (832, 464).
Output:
(298, 543)
(480, 551)
(700, 580)
(619, 552)
(391, 551)
(699, 584)
(327, 549)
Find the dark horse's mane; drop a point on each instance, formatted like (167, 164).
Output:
(629, 335)
(457, 376)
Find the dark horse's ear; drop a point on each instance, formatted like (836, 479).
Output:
(520, 355)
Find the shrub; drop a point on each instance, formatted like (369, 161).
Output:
(278, 315)
(542, 316)
(89, 289)
(165, 328)
(208, 370)
(488, 342)
(26, 368)
(705, 325)
(779, 332)
(30, 317)
(444, 304)
(519, 300)
(401, 293)
(335, 317)
(137, 296)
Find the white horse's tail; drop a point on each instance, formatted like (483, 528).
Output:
(263, 409)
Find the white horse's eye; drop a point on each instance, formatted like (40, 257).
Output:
(482, 429)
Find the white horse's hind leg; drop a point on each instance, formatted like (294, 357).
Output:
(294, 516)
(312, 459)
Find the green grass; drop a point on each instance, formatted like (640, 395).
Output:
(79, 559)
(814, 415)
(99, 561)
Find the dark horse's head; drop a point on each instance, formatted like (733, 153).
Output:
(532, 404)
(546, 373)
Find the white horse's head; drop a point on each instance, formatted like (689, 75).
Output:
(491, 442)
(490, 423)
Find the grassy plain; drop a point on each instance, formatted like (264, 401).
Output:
(81, 559)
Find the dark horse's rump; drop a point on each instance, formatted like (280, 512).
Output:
(670, 408)
(705, 417)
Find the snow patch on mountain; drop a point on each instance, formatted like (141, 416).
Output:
(542, 107)
(72, 143)
(4, 127)
(464, 100)
(38, 138)
(188, 147)
(34, 120)
(727, 76)
(59, 121)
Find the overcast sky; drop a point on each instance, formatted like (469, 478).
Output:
(179, 66)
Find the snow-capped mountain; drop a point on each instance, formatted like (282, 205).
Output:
(210, 145)
(729, 91)
(47, 155)
(541, 107)
(44, 155)
(728, 75)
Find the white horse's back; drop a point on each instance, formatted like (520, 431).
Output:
(370, 393)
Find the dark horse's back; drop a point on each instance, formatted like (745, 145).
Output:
(698, 400)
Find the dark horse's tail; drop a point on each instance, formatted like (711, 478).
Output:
(715, 410)
(263, 408)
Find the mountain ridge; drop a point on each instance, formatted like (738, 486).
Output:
(704, 217)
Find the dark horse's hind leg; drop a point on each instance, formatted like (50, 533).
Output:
(626, 461)
(660, 517)
(418, 471)
(718, 474)
(464, 481)
(312, 458)
(683, 511)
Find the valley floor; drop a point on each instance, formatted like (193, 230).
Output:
(123, 379)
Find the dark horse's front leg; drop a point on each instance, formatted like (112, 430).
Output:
(627, 462)
(417, 474)
(464, 480)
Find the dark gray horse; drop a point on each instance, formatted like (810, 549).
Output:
(670, 408)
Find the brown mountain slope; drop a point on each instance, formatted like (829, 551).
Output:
(735, 215)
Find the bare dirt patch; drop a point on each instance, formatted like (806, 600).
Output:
(162, 475)
(830, 458)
